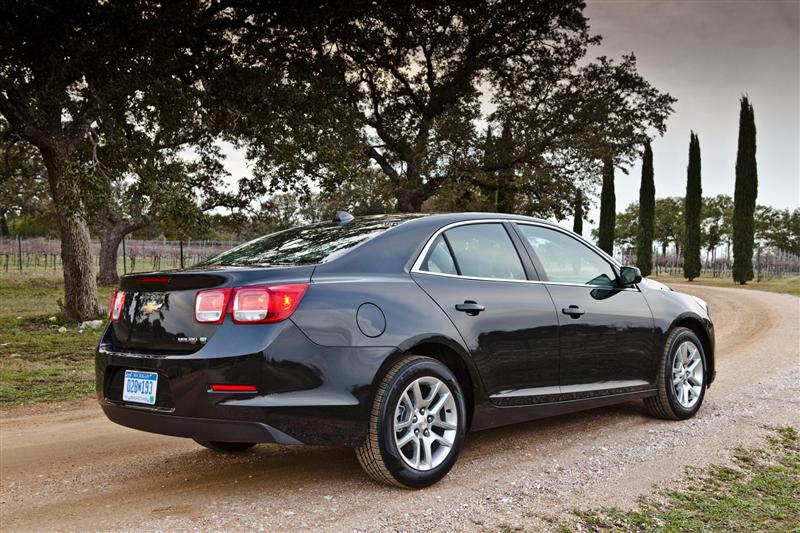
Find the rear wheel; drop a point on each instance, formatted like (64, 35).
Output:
(225, 447)
(416, 426)
(681, 377)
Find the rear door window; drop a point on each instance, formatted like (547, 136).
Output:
(485, 251)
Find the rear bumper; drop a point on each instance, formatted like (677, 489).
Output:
(306, 393)
(194, 427)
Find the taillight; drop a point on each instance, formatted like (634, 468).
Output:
(250, 305)
(266, 304)
(115, 305)
(210, 306)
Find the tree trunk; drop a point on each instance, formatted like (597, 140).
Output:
(113, 229)
(110, 238)
(577, 215)
(412, 193)
(4, 231)
(80, 286)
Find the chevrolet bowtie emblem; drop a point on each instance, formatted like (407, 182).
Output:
(151, 307)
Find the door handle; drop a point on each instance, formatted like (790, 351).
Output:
(573, 310)
(470, 307)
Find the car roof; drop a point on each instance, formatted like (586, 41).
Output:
(449, 218)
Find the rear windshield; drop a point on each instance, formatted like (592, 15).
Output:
(304, 245)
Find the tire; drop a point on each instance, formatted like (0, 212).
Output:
(225, 447)
(422, 458)
(669, 403)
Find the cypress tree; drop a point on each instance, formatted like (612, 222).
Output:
(647, 214)
(744, 198)
(577, 217)
(693, 205)
(608, 201)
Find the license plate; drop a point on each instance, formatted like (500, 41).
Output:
(140, 387)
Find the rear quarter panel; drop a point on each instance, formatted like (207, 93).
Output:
(328, 312)
(328, 316)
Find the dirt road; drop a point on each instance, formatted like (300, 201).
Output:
(71, 469)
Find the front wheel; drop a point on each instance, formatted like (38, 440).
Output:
(225, 447)
(681, 377)
(416, 425)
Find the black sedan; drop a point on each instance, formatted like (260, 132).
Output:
(395, 334)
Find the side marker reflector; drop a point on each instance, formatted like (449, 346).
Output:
(223, 387)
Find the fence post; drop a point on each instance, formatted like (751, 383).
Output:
(181, 247)
(19, 252)
(124, 257)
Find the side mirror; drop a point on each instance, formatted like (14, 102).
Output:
(629, 276)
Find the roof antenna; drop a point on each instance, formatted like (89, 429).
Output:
(342, 217)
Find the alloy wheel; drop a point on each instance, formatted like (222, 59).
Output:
(425, 423)
(687, 374)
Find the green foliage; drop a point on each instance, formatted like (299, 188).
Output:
(521, 189)
(397, 87)
(98, 88)
(692, 208)
(745, 195)
(646, 223)
(25, 207)
(774, 228)
(716, 221)
(605, 230)
(778, 228)
(626, 226)
(669, 222)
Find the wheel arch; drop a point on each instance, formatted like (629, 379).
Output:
(450, 354)
(695, 324)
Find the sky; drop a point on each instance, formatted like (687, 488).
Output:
(707, 54)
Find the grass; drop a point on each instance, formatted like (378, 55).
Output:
(37, 362)
(787, 285)
(760, 492)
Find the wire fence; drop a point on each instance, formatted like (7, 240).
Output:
(133, 255)
(768, 263)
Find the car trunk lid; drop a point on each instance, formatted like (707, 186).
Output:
(159, 310)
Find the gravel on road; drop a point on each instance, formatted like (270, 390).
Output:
(68, 468)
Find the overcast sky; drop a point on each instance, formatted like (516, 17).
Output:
(706, 53)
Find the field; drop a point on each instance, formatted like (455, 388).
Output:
(37, 362)
(786, 284)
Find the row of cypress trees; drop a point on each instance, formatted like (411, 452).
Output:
(746, 191)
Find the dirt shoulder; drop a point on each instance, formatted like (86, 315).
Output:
(71, 469)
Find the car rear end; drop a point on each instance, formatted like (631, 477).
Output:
(176, 353)
(213, 354)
